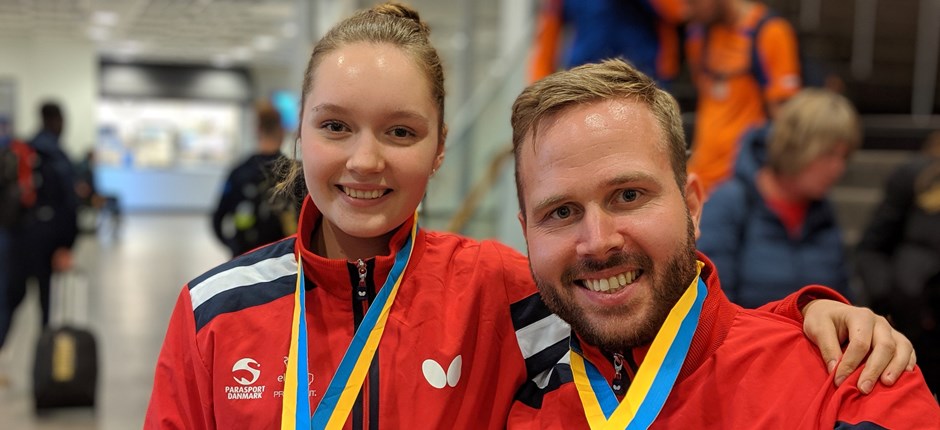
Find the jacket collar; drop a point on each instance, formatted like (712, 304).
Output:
(332, 274)
(715, 321)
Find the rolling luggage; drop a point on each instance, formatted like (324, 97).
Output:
(65, 372)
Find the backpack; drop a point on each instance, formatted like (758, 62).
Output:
(809, 75)
(257, 215)
(17, 189)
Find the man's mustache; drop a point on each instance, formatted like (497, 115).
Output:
(587, 266)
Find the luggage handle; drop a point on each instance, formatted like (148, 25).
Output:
(67, 304)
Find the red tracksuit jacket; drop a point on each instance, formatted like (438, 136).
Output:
(745, 369)
(465, 337)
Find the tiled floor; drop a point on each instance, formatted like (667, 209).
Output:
(134, 279)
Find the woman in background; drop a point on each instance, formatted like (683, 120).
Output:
(771, 229)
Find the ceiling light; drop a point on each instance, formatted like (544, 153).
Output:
(289, 30)
(104, 18)
(242, 53)
(99, 34)
(221, 61)
(264, 42)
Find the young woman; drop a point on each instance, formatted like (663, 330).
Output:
(362, 319)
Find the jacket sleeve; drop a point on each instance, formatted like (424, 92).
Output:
(541, 336)
(792, 306)
(674, 12)
(547, 40)
(181, 397)
(64, 200)
(908, 404)
(722, 227)
(779, 56)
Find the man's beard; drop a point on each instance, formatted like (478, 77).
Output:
(668, 285)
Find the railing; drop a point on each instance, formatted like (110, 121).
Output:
(476, 204)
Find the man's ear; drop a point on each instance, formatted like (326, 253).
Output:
(694, 199)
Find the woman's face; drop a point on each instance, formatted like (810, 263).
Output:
(821, 174)
(370, 138)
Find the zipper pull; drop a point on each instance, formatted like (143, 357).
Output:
(617, 384)
(361, 288)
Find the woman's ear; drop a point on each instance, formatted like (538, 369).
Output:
(438, 160)
(441, 149)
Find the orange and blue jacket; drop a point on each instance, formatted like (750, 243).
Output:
(644, 32)
(739, 72)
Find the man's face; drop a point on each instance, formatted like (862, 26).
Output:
(609, 234)
(706, 11)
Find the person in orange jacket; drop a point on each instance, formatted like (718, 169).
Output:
(645, 32)
(744, 62)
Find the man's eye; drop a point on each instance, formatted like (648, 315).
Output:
(562, 212)
(629, 195)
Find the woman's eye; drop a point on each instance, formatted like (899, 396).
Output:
(334, 126)
(401, 132)
(629, 195)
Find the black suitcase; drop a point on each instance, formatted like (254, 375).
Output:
(65, 372)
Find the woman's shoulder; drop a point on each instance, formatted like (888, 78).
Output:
(459, 241)
(256, 277)
(487, 254)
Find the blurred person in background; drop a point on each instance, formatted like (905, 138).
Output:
(9, 181)
(248, 215)
(41, 241)
(744, 61)
(362, 314)
(92, 203)
(771, 229)
(898, 258)
(644, 32)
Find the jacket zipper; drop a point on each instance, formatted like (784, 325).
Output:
(364, 294)
(361, 290)
(617, 384)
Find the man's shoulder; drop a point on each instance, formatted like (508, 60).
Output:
(760, 322)
(762, 346)
(757, 336)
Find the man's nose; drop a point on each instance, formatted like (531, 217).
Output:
(599, 235)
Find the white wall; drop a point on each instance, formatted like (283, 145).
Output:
(63, 70)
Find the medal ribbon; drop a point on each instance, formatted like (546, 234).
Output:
(295, 411)
(655, 378)
(333, 409)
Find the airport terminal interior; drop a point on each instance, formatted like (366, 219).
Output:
(162, 92)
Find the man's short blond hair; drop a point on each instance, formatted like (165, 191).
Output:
(608, 80)
(809, 125)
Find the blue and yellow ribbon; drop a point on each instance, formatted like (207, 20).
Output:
(655, 378)
(335, 405)
(295, 413)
